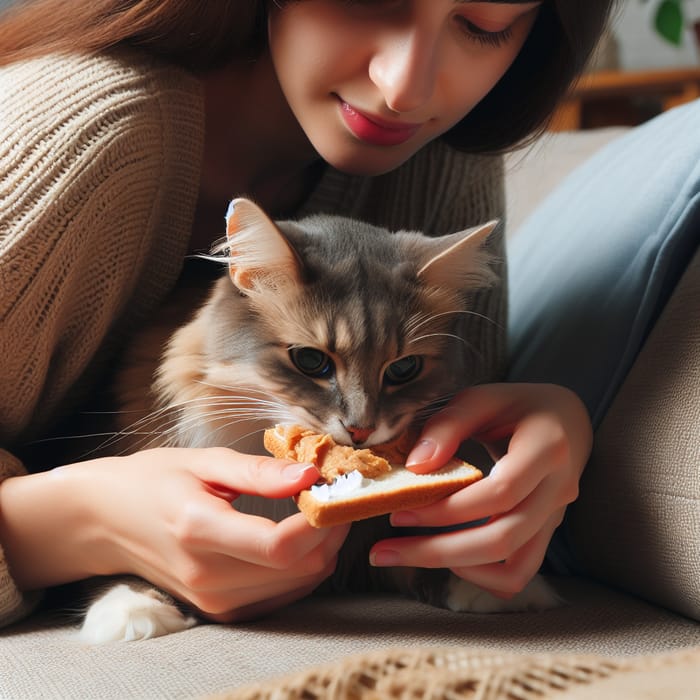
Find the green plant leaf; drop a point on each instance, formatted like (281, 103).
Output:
(669, 21)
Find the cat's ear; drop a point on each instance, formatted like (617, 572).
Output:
(460, 260)
(259, 255)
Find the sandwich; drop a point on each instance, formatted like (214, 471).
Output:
(362, 483)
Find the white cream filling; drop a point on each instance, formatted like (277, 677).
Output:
(342, 486)
(348, 485)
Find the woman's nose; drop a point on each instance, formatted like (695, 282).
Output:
(404, 69)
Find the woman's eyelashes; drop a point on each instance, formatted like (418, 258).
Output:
(482, 36)
(471, 28)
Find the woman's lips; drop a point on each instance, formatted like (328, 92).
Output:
(375, 130)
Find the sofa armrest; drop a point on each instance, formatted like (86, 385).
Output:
(636, 524)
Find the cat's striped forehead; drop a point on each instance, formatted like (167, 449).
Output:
(354, 324)
(367, 325)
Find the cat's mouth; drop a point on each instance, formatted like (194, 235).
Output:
(361, 438)
(345, 432)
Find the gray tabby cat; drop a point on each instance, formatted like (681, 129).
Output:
(335, 324)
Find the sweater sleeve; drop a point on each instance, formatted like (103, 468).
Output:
(99, 174)
(14, 604)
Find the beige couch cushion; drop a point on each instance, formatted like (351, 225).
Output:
(41, 658)
(636, 524)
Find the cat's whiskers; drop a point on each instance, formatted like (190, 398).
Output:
(141, 426)
(239, 438)
(232, 388)
(421, 319)
(238, 409)
(454, 336)
(162, 426)
(435, 406)
(213, 429)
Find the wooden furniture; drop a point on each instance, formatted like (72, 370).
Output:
(609, 98)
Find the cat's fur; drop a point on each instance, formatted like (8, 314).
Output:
(365, 298)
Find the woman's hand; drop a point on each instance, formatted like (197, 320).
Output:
(540, 435)
(165, 515)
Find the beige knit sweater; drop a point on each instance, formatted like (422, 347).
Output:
(99, 175)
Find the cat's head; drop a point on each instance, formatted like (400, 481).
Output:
(352, 328)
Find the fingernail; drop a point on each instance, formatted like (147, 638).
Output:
(384, 557)
(404, 518)
(422, 452)
(295, 471)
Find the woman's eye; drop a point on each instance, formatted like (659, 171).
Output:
(312, 362)
(482, 36)
(403, 370)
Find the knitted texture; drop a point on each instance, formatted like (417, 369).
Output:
(100, 169)
(459, 673)
(100, 163)
(100, 160)
(13, 604)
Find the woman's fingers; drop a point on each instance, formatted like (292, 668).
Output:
(232, 472)
(497, 493)
(469, 414)
(224, 581)
(508, 577)
(537, 450)
(490, 413)
(214, 526)
(499, 539)
(546, 432)
(251, 589)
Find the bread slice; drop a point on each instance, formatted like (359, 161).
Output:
(349, 494)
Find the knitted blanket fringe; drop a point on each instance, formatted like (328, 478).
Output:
(456, 673)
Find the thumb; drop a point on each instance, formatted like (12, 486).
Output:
(233, 473)
(466, 415)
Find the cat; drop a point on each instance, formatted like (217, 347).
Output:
(336, 324)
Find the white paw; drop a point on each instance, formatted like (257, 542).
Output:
(123, 614)
(463, 596)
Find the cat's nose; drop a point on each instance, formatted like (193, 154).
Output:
(359, 435)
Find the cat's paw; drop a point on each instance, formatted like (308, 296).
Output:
(125, 614)
(463, 596)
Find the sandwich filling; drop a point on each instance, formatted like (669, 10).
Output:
(334, 460)
(341, 487)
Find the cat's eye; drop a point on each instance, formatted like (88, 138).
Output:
(403, 370)
(312, 362)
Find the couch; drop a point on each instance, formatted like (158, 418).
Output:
(629, 627)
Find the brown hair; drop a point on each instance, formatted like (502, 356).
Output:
(196, 34)
(200, 35)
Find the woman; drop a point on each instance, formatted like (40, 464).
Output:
(127, 127)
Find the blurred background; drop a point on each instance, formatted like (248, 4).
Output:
(657, 34)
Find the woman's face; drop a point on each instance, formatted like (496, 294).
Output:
(372, 81)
